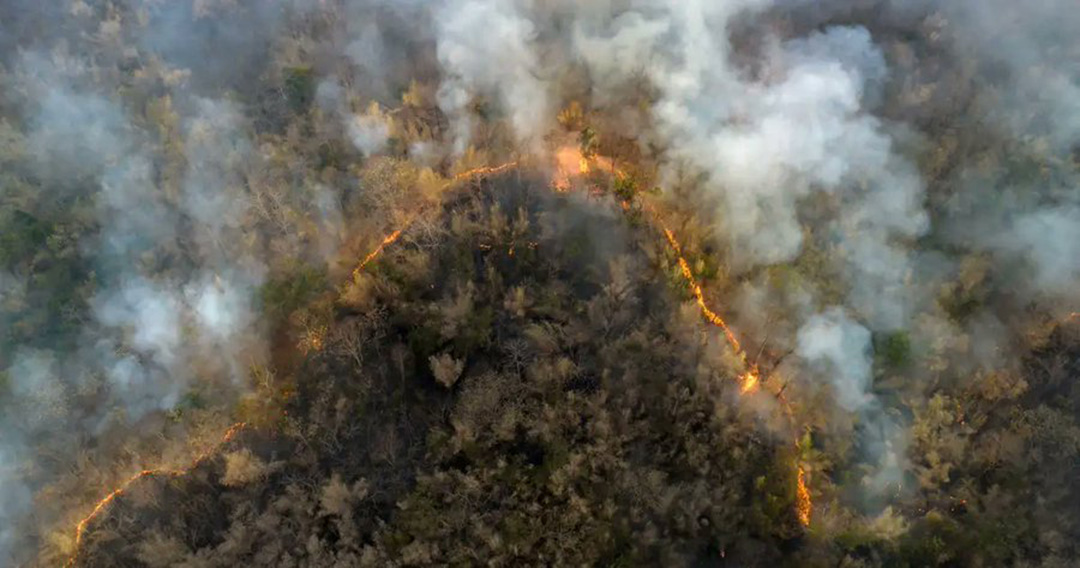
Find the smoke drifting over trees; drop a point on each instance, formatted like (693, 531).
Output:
(416, 248)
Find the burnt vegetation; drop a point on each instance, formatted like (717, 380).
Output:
(302, 283)
(578, 425)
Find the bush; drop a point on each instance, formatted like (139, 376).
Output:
(285, 293)
(299, 88)
(894, 349)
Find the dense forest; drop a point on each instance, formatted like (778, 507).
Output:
(539, 283)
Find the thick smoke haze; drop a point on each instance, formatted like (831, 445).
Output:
(172, 297)
(793, 118)
(841, 348)
(500, 62)
(795, 121)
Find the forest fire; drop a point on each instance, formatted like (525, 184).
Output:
(699, 296)
(803, 504)
(103, 504)
(751, 379)
(394, 236)
(853, 345)
(387, 241)
(485, 171)
(569, 163)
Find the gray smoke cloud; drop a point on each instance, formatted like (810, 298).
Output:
(485, 48)
(369, 133)
(800, 145)
(1030, 65)
(1049, 239)
(795, 132)
(1037, 61)
(75, 135)
(152, 329)
(841, 350)
(796, 126)
(16, 497)
(769, 144)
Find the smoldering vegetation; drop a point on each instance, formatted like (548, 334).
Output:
(878, 196)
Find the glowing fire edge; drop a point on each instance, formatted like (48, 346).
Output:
(750, 379)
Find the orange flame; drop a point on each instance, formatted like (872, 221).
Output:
(485, 171)
(751, 379)
(750, 382)
(803, 505)
(314, 339)
(571, 163)
(387, 241)
(80, 529)
(699, 296)
(394, 236)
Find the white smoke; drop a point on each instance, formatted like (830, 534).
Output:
(171, 298)
(1034, 45)
(75, 135)
(15, 496)
(486, 48)
(769, 144)
(369, 133)
(787, 133)
(1049, 240)
(840, 350)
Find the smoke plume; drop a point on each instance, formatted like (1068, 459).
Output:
(822, 138)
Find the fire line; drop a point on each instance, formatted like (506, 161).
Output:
(396, 234)
(387, 241)
(749, 380)
(103, 504)
(484, 171)
(569, 157)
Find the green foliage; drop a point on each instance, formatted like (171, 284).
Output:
(476, 331)
(333, 155)
(22, 237)
(625, 188)
(961, 303)
(588, 142)
(933, 541)
(299, 87)
(894, 349)
(192, 400)
(424, 340)
(292, 288)
(860, 542)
